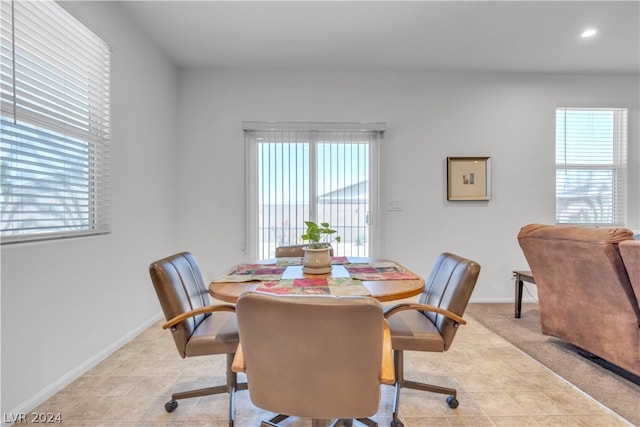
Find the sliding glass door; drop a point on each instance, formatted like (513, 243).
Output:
(324, 175)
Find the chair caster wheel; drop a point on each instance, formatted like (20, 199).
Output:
(453, 402)
(171, 406)
(396, 423)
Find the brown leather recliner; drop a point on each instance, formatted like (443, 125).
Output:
(630, 252)
(432, 323)
(198, 328)
(293, 251)
(585, 296)
(320, 357)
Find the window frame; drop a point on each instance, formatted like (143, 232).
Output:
(618, 164)
(56, 123)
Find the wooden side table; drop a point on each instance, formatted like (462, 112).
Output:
(520, 277)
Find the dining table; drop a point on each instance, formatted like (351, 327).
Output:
(382, 279)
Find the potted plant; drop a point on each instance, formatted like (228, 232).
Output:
(317, 259)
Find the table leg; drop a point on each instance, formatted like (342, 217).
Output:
(519, 285)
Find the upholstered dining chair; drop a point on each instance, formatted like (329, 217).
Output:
(432, 323)
(293, 251)
(314, 356)
(198, 328)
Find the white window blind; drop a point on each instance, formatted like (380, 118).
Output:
(320, 172)
(54, 125)
(591, 166)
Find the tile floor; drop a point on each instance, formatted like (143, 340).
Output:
(497, 384)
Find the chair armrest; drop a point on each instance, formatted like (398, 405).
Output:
(202, 310)
(387, 375)
(390, 311)
(238, 364)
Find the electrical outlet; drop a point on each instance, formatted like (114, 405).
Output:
(394, 206)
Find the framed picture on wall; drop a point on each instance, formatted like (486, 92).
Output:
(468, 178)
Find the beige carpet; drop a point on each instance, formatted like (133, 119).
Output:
(612, 387)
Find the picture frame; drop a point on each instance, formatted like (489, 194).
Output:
(468, 178)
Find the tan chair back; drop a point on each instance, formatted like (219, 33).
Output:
(449, 286)
(293, 251)
(180, 288)
(312, 356)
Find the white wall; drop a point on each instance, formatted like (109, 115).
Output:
(429, 116)
(68, 303)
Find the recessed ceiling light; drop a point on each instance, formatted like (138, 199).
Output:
(589, 33)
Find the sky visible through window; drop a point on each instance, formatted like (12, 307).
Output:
(338, 166)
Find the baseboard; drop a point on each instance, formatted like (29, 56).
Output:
(40, 397)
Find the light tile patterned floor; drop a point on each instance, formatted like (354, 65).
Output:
(498, 385)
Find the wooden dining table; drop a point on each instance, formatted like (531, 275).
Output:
(384, 280)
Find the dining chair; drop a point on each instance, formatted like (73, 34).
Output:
(431, 323)
(293, 251)
(314, 356)
(198, 328)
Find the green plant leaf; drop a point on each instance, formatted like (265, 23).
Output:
(319, 235)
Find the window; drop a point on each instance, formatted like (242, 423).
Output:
(322, 172)
(591, 166)
(54, 126)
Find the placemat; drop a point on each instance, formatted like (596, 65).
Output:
(315, 286)
(379, 270)
(287, 261)
(251, 272)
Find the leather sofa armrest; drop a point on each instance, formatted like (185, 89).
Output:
(390, 311)
(202, 310)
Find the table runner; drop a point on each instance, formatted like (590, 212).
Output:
(377, 270)
(286, 261)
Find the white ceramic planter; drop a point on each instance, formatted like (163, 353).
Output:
(316, 261)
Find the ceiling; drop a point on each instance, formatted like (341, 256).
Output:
(478, 36)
